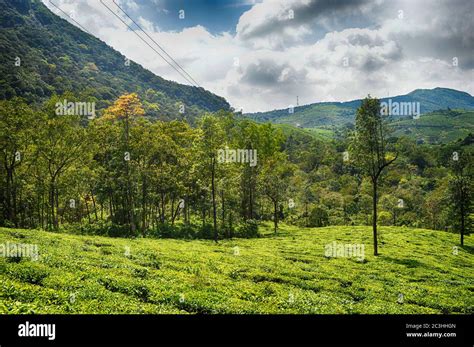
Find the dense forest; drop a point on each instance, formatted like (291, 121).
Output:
(122, 174)
(44, 55)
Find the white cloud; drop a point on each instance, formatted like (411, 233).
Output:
(278, 60)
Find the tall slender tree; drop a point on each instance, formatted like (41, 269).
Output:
(127, 108)
(461, 193)
(212, 140)
(370, 149)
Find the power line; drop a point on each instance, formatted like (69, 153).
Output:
(70, 18)
(156, 43)
(189, 81)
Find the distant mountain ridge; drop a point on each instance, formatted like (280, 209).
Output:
(56, 57)
(339, 113)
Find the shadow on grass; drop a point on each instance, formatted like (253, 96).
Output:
(468, 249)
(409, 263)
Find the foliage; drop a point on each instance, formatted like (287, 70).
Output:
(57, 57)
(284, 274)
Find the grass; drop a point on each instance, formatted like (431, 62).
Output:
(287, 273)
(321, 134)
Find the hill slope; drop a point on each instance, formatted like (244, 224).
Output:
(57, 57)
(288, 273)
(339, 113)
(436, 127)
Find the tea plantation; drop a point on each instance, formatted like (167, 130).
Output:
(418, 271)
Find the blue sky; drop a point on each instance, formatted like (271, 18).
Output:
(262, 55)
(216, 15)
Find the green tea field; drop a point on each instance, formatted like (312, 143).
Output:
(418, 271)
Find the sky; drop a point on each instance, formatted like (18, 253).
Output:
(264, 54)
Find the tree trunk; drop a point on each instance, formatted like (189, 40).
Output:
(11, 196)
(275, 215)
(307, 214)
(56, 198)
(43, 205)
(162, 210)
(14, 206)
(144, 197)
(374, 216)
(52, 217)
(251, 201)
(130, 207)
(462, 220)
(95, 207)
(87, 210)
(213, 187)
(223, 209)
(203, 211)
(111, 210)
(172, 209)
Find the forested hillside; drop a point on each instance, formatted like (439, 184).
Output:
(338, 114)
(56, 57)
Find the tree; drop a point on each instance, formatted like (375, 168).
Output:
(212, 141)
(17, 125)
(60, 144)
(461, 193)
(275, 180)
(370, 149)
(127, 108)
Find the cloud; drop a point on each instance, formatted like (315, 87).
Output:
(363, 49)
(442, 29)
(277, 23)
(268, 73)
(330, 50)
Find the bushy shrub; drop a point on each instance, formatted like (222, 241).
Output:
(30, 272)
(385, 218)
(409, 219)
(102, 228)
(177, 231)
(248, 229)
(318, 217)
(165, 230)
(206, 231)
(127, 287)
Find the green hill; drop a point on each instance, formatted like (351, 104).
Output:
(337, 114)
(57, 57)
(437, 127)
(418, 271)
(316, 133)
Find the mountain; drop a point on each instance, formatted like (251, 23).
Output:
(326, 114)
(57, 57)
